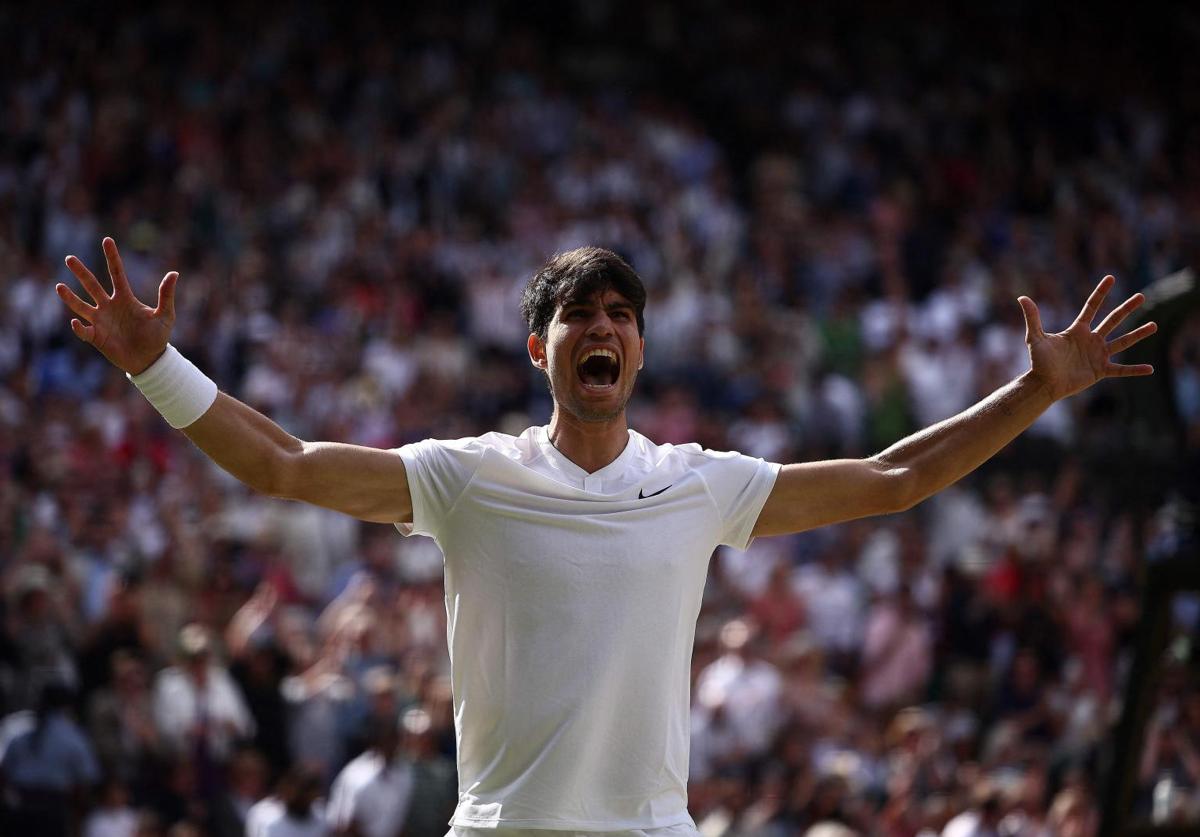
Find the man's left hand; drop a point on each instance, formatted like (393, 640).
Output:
(1072, 360)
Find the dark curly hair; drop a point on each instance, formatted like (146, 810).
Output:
(575, 275)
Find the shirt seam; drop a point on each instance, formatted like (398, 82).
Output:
(771, 473)
(711, 499)
(466, 486)
(774, 476)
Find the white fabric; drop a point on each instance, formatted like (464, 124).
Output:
(834, 601)
(967, 824)
(572, 605)
(110, 822)
(748, 571)
(681, 830)
(15, 725)
(179, 706)
(750, 692)
(261, 814)
(176, 388)
(268, 818)
(372, 795)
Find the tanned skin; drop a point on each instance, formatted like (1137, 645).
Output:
(589, 424)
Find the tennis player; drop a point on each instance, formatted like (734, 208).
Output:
(576, 553)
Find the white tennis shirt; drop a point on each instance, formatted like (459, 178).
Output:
(572, 601)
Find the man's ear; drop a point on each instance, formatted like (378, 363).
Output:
(537, 351)
(641, 352)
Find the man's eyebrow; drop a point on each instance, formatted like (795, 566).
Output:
(589, 303)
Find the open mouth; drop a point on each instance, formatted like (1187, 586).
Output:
(598, 368)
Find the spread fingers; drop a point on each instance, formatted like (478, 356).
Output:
(1118, 314)
(1126, 340)
(115, 268)
(77, 305)
(86, 278)
(1095, 300)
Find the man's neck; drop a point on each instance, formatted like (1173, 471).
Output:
(589, 444)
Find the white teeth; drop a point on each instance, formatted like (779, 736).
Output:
(599, 352)
(608, 353)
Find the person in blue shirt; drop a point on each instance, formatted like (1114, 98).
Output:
(47, 770)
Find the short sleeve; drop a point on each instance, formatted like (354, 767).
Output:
(438, 472)
(739, 486)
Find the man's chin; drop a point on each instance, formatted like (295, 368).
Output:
(592, 407)
(595, 412)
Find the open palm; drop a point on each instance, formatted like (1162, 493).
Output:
(1074, 359)
(129, 333)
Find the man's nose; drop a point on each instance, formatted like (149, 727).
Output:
(601, 325)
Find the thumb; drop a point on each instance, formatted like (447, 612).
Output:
(1033, 320)
(166, 297)
(86, 333)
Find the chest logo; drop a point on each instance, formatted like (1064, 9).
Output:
(642, 496)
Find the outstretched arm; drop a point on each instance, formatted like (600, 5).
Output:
(367, 483)
(808, 495)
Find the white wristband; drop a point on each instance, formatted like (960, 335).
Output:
(176, 388)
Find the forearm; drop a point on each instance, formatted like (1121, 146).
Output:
(363, 482)
(245, 443)
(940, 455)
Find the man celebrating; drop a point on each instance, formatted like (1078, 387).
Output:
(576, 553)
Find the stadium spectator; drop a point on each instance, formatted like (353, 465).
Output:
(806, 195)
(47, 771)
(747, 688)
(248, 783)
(372, 794)
(199, 711)
(121, 720)
(897, 653)
(112, 816)
(294, 810)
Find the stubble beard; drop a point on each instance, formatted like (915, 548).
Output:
(583, 411)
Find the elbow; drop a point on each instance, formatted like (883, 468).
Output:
(280, 476)
(902, 489)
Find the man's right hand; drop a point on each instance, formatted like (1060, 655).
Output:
(367, 483)
(130, 334)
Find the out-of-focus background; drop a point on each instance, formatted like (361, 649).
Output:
(834, 211)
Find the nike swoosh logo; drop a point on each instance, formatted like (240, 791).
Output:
(642, 496)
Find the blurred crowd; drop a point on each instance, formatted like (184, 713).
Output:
(834, 214)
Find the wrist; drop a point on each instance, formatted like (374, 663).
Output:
(176, 388)
(142, 367)
(1038, 387)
